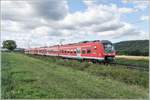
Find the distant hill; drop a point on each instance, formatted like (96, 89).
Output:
(134, 47)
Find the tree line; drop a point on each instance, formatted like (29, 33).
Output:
(136, 47)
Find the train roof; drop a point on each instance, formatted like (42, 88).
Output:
(105, 41)
(82, 42)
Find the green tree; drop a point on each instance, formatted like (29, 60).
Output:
(9, 44)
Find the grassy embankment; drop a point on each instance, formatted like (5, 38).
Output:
(117, 72)
(44, 77)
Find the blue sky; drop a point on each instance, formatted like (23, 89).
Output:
(49, 21)
(76, 5)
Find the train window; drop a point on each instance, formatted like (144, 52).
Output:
(74, 51)
(88, 51)
(83, 51)
(70, 51)
(78, 50)
(95, 48)
(94, 52)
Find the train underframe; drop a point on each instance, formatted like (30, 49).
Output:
(106, 59)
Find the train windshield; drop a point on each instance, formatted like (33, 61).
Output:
(109, 48)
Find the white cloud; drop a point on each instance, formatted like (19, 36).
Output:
(10, 26)
(16, 10)
(39, 23)
(43, 30)
(143, 4)
(94, 15)
(138, 4)
(145, 17)
(100, 19)
(25, 19)
(126, 30)
(89, 3)
(127, 10)
(50, 9)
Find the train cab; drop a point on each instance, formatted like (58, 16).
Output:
(109, 51)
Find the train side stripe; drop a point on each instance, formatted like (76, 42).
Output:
(81, 57)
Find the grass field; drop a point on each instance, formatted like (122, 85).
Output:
(139, 61)
(116, 72)
(133, 57)
(44, 77)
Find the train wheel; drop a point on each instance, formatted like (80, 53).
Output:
(96, 61)
(90, 61)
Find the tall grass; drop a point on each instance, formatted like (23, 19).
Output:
(40, 77)
(138, 62)
(117, 72)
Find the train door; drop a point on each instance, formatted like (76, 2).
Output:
(78, 52)
(95, 51)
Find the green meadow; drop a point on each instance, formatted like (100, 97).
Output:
(35, 77)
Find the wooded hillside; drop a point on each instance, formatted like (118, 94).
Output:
(135, 47)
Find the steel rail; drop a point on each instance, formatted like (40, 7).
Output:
(131, 66)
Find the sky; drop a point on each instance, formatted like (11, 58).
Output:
(37, 23)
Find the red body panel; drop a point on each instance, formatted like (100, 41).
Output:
(89, 50)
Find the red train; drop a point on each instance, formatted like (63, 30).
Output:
(88, 50)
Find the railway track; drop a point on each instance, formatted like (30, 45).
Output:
(131, 66)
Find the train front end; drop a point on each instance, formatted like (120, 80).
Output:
(109, 51)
